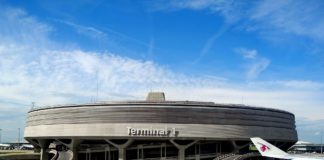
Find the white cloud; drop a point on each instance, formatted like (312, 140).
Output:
(256, 63)
(290, 84)
(297, 17)
(257, 67)
(151, 48)
(86, 30)
(49, 75)
(302, 18)
(302, 84)
(18, 27)
(210, 42)
(248, 54)
(227, 8)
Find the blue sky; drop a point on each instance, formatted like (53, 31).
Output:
(263, 53)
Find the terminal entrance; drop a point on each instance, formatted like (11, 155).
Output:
(154, 150)
(130, 149)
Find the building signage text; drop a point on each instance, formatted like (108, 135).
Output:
(165, 132)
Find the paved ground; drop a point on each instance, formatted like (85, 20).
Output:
(18, 155)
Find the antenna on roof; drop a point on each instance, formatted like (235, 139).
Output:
(32, 105)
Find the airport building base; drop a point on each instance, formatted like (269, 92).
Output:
(139, 149)
(156, 129)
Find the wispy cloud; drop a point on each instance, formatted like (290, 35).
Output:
(49, 74)
(86, 30)
(290, 84)
(151, 47)
(103, 35)
(302, 84)
(248, 54)
(227, 8)
(297, 17)
(257, 67)
(30, 31)
(210, 42)
(257, 64)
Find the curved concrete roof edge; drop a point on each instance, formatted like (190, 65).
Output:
(167, 103)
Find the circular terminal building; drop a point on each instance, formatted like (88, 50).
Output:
(156, 129)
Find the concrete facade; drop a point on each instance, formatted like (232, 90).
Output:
(148, 129)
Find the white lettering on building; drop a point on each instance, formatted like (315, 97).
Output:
(165, 132)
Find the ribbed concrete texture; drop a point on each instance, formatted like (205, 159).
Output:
(162, 121)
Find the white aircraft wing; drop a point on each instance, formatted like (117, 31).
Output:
(27, 146)
(268, 150)
(4, 145)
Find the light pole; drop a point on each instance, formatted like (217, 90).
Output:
(321, 142)
(0, 134)
(18, 137)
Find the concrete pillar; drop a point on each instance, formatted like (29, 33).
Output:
(107, 153)
(43, 154)
(121, 153)
(182, 149)
(181, 153)
(140, 152)
(121, 148)
(88, 154)
(74, 153)
(237, 148)
(73, 146)
(197, 151)
(163, 151)
(44, 145)
(197, 157)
